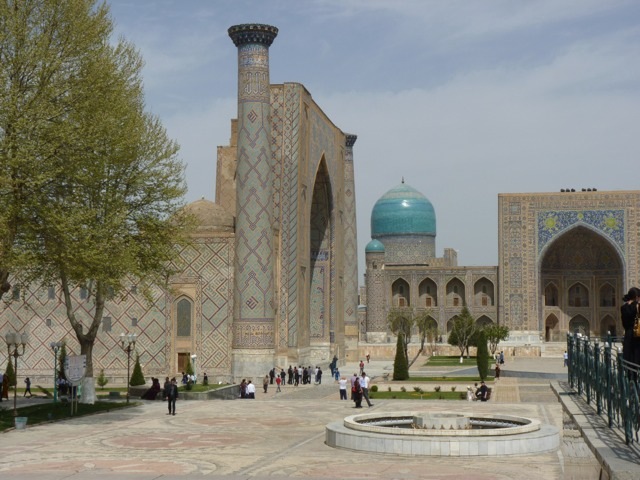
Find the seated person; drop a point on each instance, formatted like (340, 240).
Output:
(481, 393)
(152, 393)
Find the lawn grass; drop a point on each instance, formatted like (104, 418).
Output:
(411, 395)
(450, 361)
(55, 411)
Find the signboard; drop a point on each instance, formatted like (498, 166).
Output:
(75, 366)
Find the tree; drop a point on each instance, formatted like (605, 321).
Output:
(462, 331)
(427, 330)
(61, 360)
(102, 379)
(10, 374)
(137, 378)
(495, 334)
(482, 355)
(43, 47)
(400, 365)
(99, 185)
(401, 321)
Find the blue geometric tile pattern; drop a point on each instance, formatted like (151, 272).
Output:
(551, 223)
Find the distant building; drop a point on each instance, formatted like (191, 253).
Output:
(565, 261)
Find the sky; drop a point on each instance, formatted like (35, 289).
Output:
(465, 99)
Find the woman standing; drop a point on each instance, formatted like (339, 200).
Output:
(357, 393)
(628, 312)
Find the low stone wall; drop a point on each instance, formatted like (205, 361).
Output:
(230, 392)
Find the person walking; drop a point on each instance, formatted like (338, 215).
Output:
(265, 383)
(27, 388)
(278, 382)
(364, 385)
(172, 396)
(357, 393)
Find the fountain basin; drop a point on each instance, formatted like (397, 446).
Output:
(395, 433)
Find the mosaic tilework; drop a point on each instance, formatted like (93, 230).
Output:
(253, 286)
(350, 237)
(289, 227)
(551, 223)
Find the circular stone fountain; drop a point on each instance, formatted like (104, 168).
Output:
(442, 434)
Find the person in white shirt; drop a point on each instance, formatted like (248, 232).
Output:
(251, 390)
(343, 388)
(364, 383)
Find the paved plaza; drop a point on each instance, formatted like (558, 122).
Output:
(281, 435)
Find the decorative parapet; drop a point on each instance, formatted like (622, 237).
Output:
(252, 33)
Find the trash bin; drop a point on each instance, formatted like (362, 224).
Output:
(21, 423)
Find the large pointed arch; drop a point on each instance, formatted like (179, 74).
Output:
(577, 262)
(321, 232)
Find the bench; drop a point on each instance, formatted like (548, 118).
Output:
(114, 394)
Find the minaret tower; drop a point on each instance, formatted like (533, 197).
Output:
(350, 252)
(254, 302)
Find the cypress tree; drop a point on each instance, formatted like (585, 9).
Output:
(482, 355)
(137, 378)
(10, 374)
(400, 365)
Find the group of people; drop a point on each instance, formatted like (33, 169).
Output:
(481, 393)
(247, 389)
(359, 389)
(300, 374)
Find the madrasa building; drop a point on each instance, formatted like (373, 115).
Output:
(270, 278)
(565, 261)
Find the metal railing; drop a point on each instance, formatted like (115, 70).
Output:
(599, 373)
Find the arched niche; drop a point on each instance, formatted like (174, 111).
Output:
(455, 293)
(578, 262)
(551, 295)
(607, 295)
(578, 295)
(579, 324)
(483, 293)
(552, 329)
(608, 325)
(400, 293)
(484, 321)
(320, 234)
(428, 293)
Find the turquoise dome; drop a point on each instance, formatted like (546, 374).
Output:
(403, 211)
(374, 246)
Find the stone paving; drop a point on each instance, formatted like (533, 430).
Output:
(278, 435)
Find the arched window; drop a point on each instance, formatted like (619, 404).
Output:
(183, 318)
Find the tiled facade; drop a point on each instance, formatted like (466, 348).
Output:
(271, 276)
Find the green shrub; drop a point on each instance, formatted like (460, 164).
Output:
(463, 396)
(388, 389)
(102, 380)
(10, 374)
(436, 389)
(400, 365)
(453, 389)
(403, 389)
(482, 357)
(137, 378)
(417, 389)
(374, 388)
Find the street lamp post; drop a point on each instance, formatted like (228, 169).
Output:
(14, 341)
(128, 343)
(55, 346)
